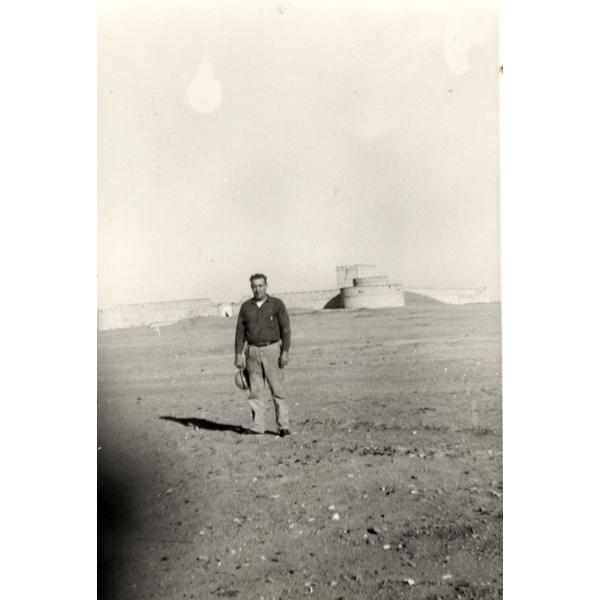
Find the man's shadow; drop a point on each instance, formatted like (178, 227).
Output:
(197, 423)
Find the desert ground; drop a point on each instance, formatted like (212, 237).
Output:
(389, 487)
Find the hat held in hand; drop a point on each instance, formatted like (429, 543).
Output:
(242, 380)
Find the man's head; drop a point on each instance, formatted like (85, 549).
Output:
(258, 283)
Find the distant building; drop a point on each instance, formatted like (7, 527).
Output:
(358, 286)
(224, 310)
(372, 292)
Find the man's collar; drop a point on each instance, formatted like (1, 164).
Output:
(263, 300)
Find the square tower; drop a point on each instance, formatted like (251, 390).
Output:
(346, 273)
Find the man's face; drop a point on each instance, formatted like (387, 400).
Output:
(259, 288)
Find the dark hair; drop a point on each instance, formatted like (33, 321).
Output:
(258, 276)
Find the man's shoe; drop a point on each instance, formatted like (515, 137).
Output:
(284, 432)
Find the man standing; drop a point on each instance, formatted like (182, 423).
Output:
(262, 343)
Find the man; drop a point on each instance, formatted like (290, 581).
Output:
(262, 343)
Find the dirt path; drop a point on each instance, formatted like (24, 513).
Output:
(390, 487)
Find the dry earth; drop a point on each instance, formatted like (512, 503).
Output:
(396, 430)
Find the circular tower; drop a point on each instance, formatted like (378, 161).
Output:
(372, 292)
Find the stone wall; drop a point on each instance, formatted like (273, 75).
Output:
(313, 299)
(453, 295)
(360, 289)
(154, 313)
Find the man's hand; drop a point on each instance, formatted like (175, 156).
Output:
(240, 361)
(284, 359)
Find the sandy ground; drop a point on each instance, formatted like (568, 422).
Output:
(389, 487)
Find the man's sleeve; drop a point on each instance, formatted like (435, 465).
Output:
(284, 328)
(240, 339)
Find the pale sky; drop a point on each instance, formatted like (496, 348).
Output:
(289, 138)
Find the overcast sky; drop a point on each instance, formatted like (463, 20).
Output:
(286, 139)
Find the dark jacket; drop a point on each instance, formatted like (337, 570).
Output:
(267, 324)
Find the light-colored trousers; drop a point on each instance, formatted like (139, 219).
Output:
(263, 367)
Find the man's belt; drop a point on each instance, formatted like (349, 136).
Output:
(263, 344)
